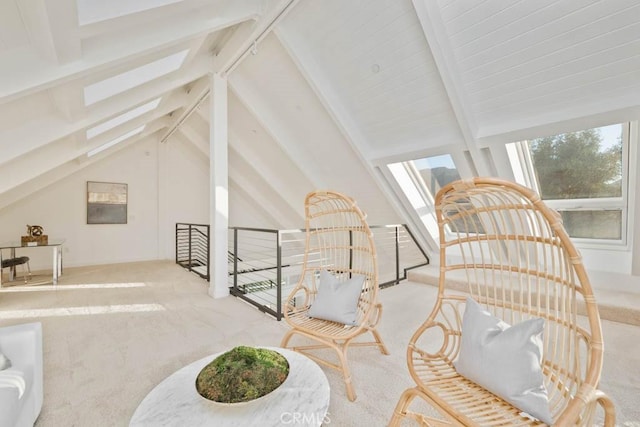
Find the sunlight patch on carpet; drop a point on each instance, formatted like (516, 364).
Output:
(80, 311)
(73, 287)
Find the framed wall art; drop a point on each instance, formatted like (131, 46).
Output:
(106, 203)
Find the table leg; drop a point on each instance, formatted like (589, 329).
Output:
(12, 269)
(59, 260)
(55, 265)
(0, 268)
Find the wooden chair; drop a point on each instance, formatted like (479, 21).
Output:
(502, 246)
(338, 240)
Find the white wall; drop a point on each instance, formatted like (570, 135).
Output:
(184, 195)
(61, 209)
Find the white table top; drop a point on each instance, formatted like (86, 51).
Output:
(302, 400)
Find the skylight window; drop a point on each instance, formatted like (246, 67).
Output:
(132, 78)
(90, 11)
(420, 180)
(115, 141)
(116, 121)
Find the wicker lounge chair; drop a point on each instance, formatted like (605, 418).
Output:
(504, 248)
(338, 242)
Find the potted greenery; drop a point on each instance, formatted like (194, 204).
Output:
(242, 374)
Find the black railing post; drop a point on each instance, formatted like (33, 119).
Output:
(208, 253)
(190, 247)
(177, 242)
(279, 275)
(397, 255)
(235, 258)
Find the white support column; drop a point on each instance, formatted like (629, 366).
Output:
(218, 187)
(166, 230)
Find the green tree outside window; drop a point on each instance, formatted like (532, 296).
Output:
(576, 165)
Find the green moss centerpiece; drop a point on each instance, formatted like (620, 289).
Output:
(242, 374)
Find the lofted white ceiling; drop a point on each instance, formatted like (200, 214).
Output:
(374, 56)
(524, 63)
(334, 88)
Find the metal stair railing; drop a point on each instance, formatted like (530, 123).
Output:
(264, 264)
(192, 248)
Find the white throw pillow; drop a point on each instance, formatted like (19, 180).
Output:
(337, 301)
(5, 363)
(506, 360)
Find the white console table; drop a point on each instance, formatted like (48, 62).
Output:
(54, 244)
(302, 400)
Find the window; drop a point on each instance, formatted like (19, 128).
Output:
(436, 172)
(90, 11)
(420, 180)
(116, 141)
(122, 82)
(122, 118)
(583, 175)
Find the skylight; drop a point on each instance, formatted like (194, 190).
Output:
(131, 114)
(90, 11)
(115, 141)
(132, 78)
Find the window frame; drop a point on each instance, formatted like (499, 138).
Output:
(524, 171)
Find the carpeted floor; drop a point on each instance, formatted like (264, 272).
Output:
(112, 333)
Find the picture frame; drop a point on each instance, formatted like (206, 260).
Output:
(107, 202)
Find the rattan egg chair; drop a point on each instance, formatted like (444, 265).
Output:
(338, 241)
(503, 247)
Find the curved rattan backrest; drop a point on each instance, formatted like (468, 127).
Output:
(339, 240)
(513, 255)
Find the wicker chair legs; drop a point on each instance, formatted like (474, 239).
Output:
(341, 350)
(401, 411)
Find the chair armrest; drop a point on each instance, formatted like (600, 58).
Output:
(437, 339)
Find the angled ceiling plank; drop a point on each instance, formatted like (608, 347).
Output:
(236, 48)
(26, 73)
(52, 27)
(246, 151)
(199, 141)
(338, 112)
(50, 177)
(261, 193)
(428, 13)
(51, 156)
(273, 125)
(147, 17)
(246, 197)
(51, 129)
(269, 176)
(68, 100)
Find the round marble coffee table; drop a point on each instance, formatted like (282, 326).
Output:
(302, 400)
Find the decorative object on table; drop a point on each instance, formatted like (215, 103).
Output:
(35, 236)
(106, 203)
(242, 374)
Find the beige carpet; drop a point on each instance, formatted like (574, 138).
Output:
(111, 333)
